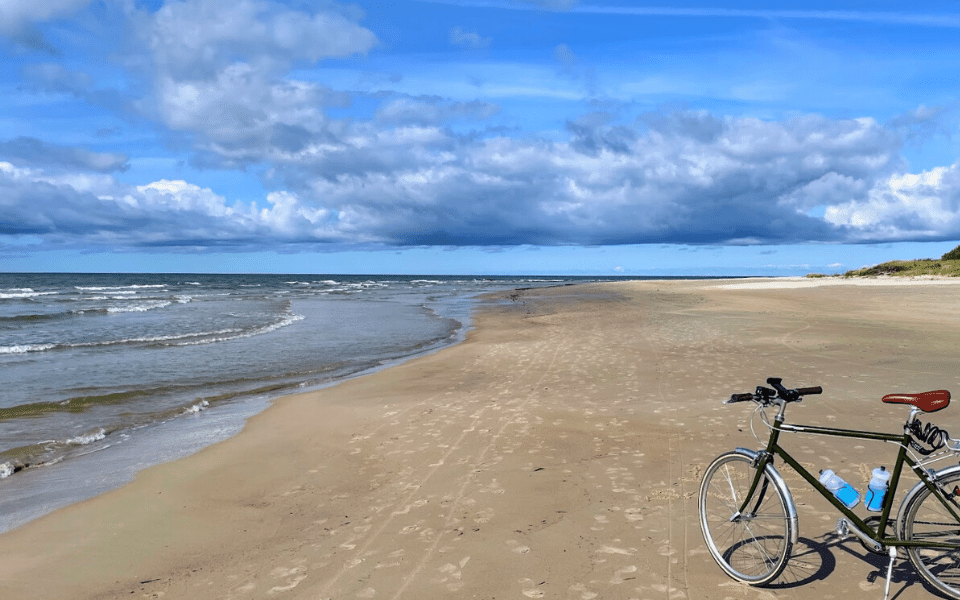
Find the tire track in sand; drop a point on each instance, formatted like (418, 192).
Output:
(462, 491)
(673, 432)
(406, 501)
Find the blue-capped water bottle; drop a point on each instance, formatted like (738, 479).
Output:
(877, 488)
(840, 488)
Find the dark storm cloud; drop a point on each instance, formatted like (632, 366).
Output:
(25, 151)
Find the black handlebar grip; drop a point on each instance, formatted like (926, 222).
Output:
(810, 391)
(740, 398)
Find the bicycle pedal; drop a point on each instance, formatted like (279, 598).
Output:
(842, 529)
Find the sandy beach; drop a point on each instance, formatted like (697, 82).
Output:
(556, 453)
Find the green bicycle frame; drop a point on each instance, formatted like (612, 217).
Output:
(773, 448)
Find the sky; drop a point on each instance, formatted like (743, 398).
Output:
(568, 137)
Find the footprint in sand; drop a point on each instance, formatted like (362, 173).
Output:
(293, 577)
(484, 516)
(530, 589)
(585, 594)
(600, 521)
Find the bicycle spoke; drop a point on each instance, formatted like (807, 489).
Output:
(926, 520)
(753, 547)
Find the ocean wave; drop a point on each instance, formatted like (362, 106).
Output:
(202, 405)
(34, 317)
(247, 334)
(362, 285)
(87, 438)
(15, 293)
(24, 348)
(140, 307)
(157, 338)
(116, 288)
(213, 336)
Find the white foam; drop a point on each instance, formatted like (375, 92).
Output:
(139, 307)
(153, 339)
(116, 288)
(23, 293)
(23, 349)
(202, 405)
(88, 438)
(6, 470)
(259, 331)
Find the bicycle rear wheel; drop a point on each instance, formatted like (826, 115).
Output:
(755, 546)
(925, 518)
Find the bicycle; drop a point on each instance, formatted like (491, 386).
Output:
(749, 520)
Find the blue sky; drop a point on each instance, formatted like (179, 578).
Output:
(494, 137)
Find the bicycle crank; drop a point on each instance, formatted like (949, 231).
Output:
(845, 527)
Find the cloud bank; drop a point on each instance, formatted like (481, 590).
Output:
(218, 75)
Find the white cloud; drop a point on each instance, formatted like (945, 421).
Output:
(33, 152)
(564, 55)
(19, 20)
(432, 110)
(219, 70)
(681, 177)
(17, 14)
(195, 39)
(905, 206)
(467, 39)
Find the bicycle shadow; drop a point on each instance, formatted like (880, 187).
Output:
(813, 560)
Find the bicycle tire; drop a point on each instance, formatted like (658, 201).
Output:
(924, 517)
(755, 548)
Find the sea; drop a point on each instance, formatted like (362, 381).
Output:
(103, 375)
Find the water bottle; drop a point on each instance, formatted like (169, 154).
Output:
(877, 489)
(840, 488)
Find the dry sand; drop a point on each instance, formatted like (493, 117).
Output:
(556, 453)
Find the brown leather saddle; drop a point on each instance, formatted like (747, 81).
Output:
(925, 401)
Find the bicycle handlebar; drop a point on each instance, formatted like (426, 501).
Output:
(738, 398)
(765, 395)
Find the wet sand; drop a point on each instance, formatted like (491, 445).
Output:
(557, 453)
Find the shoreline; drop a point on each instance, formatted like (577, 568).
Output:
(556, 452)
(226, 421)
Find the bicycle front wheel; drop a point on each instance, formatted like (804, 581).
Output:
(752, 547)
(925, 518)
